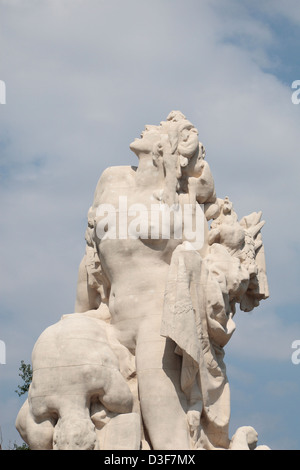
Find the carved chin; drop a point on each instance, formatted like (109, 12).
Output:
(134, 145)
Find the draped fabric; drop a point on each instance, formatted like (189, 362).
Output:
(195, 319)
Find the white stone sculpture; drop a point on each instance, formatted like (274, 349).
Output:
(140, 362)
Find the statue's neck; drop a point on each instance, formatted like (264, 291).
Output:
(147, 173)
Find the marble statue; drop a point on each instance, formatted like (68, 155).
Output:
(140, 364)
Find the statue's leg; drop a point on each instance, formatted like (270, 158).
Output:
(163, 404)
(38, 435)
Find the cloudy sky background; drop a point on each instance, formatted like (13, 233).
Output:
(83, 78)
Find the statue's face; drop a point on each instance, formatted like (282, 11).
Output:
(171, 136)
(150, 137)
(188, 143)
(227, 206)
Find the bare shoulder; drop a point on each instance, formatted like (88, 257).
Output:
(114, 176)
(118, 171)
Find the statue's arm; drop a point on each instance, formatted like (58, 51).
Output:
(92, 284)
(87, 297)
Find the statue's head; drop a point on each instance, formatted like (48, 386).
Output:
(176, 135)
(227, 206)
(150, 140)
(174, 147)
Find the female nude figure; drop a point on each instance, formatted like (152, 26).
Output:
(161, 305)
(136, 272)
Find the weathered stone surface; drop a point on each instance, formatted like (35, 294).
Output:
(140, 362)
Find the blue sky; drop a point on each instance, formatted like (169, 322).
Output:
(82, 80)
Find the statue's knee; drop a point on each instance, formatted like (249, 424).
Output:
(21, 421)
(118, 397)
(38, 434)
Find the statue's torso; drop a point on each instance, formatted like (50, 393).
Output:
(136, 268)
